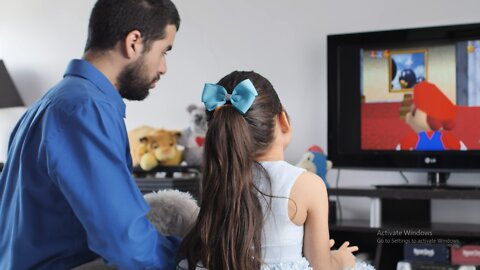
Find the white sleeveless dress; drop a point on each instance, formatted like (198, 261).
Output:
(282, 240)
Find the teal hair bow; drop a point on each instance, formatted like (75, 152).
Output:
(242, 97)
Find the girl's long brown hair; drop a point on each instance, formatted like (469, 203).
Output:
(227, 233)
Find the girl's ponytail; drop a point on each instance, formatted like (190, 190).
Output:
(233, 240)
(227, 234)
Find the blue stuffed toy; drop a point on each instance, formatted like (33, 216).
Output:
(316, 162)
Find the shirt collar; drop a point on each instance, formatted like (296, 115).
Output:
(86, 70)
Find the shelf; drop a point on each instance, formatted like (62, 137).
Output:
(149, 184)
(437, 229)
(407, 193)
(183, 178)
(402, 214)
(352, 225)
(169, 171)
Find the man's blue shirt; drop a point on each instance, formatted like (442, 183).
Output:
(66, 191)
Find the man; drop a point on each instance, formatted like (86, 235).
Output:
(66, 192)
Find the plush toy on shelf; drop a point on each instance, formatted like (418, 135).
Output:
(315, 161)
(193, 136)
(151, 147)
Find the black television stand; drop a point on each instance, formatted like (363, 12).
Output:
(438, 179)
(399, 209)
(428, 187)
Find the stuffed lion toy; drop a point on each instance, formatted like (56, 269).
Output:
(151, 147)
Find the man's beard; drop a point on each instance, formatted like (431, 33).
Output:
(133, 83)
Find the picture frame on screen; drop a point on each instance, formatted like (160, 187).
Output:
(407, 68)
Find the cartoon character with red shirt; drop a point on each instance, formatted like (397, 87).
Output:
(431, 116)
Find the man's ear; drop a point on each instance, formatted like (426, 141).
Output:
(133, 44)
(284, 122)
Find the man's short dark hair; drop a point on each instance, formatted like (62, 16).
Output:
(112, 20)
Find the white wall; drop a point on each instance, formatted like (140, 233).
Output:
(283, 40)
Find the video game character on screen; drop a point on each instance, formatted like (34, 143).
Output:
(432, 115)
(420, 97)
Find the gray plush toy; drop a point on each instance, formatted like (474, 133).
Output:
(193, 137)
(171, 211)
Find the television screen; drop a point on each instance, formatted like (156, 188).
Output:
(405, 99)
(392, 91)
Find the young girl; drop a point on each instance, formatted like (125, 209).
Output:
(257, 211)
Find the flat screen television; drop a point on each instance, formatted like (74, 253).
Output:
(406, 99)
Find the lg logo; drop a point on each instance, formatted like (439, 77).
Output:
(430, 160)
